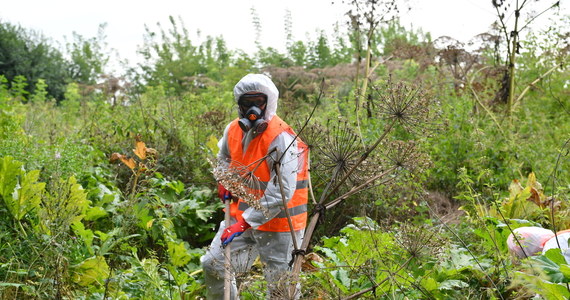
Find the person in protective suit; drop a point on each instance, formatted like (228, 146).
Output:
(264, 231)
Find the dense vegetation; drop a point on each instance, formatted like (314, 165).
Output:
(106, 189)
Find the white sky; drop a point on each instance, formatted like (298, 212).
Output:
(460, 19)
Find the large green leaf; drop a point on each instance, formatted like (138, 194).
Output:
(91, 270)
(546, 289)
(94, 213)
(85, 234)
(551, 267)
(28, 197)
(20, 190)
(9, 172)
(178, 254)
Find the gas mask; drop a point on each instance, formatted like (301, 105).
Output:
(252, 118)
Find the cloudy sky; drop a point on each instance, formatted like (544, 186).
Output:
(125, 19)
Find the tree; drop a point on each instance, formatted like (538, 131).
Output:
(88, 57)
(319, 55)
(29, 54)
(173, 60)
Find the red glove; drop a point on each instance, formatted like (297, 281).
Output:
(235, 230)
(223, 194)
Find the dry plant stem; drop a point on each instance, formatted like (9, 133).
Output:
(556, 4)
(227, 258)
(260, 161)
(280, 179)
(359, 188)
(306, 122)
(527, 88)
(311, 193)
(365, 155)
(298, 260)
(293, 286)
(512, 58)
(358, 294)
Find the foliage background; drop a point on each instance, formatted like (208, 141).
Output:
(76, 226)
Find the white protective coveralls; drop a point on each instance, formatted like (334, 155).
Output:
(273, 248)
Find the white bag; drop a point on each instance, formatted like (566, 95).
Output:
(532, 240)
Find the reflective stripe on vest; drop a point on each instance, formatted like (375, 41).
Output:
(262, 185)
(293, 211)
(258, 148)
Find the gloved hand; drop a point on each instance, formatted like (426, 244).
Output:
(235, 230)
(223, 194)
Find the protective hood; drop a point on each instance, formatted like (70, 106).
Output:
(262, 84)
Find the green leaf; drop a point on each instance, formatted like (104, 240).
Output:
(65, 204)
(453, 284)
(546, 289)
(26, 196)
(85, 234)
(565, 270)
(177, 186)
(204, 214)
(212, 144)
(95, 213)
(178, 254)
(92, 270)
(555, 255)
(143, 215)
(429, 283)
(549, 267)
(9, 172)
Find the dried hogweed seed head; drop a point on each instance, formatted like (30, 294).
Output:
(419, 241)
(403, 103)
(405, 155)
(241, 182)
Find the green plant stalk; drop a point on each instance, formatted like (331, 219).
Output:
(135, 182)
(22, 228)
(311, 192)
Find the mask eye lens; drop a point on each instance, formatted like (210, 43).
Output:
(248, 103)
(253, 100)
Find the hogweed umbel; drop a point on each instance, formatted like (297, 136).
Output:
(403, 103)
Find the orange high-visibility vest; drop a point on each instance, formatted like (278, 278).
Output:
(257, 149)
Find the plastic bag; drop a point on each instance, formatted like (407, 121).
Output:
(563, 237)
(532, 240)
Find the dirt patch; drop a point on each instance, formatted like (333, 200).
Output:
(444, 207)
